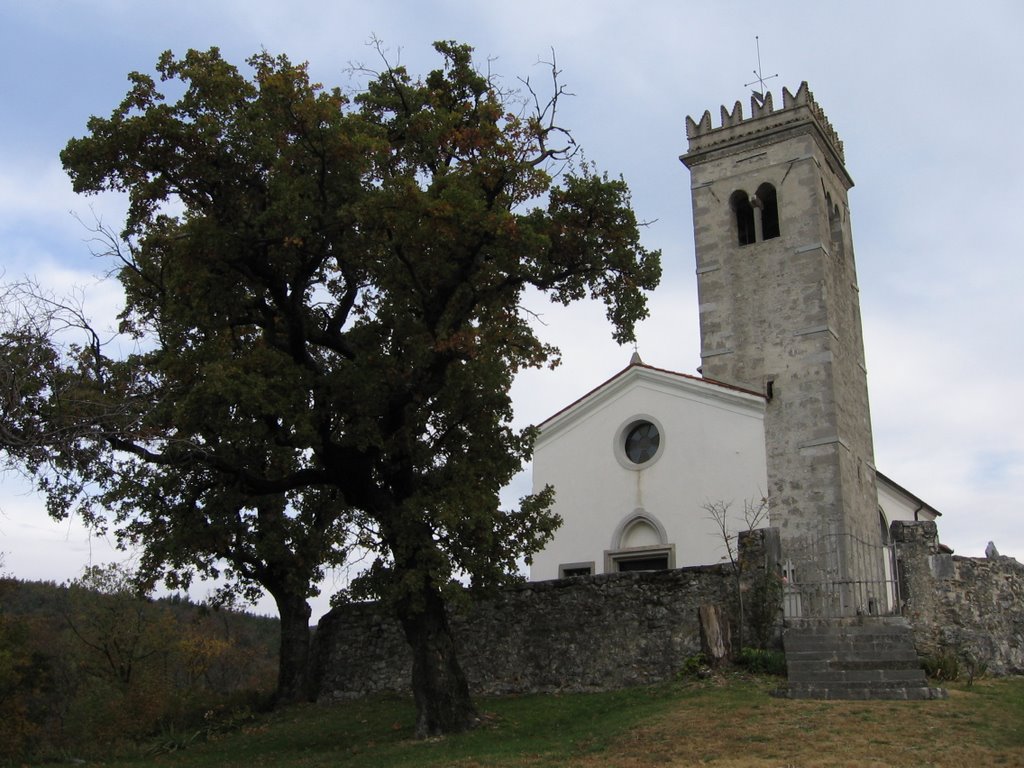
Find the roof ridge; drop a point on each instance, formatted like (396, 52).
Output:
(688, 376)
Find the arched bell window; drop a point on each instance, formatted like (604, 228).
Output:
(757, 217)
(835, 223)
(768, 204)
(744, 211)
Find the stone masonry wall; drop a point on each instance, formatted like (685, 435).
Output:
(615, 630)
(581, 634)
(961, 605)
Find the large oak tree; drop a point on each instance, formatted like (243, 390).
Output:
(329, 300)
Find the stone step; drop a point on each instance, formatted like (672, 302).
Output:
(853, 652)
(797, 665)
(894, 693)
(853, 624)
(865, 637)
(818, 638)
(905, 655)
(846, 640)
(860, 658)
(860, 678)
(848, 649)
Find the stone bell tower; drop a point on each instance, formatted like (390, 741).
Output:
(779, 314)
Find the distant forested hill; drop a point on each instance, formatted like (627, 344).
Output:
(89, 668)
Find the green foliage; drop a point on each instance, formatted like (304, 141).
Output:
(538, 730)
(728, 721)
(694, 666)
(762, 606)
(92, 674)
(118, 626)
(974, 666)
(328, 296)
(175, 736)
(760, 661)
(22, 681)
(952, 661)
(942, 666)
(338, 309)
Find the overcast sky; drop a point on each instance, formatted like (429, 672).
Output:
(925, 95)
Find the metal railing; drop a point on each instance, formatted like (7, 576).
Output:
(837, 575)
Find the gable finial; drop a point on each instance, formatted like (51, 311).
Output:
(635, 358)
(760, 94)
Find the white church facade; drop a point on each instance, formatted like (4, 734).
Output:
(637, 461)
(779, 414)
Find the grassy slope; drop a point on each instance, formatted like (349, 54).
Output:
(720, 722)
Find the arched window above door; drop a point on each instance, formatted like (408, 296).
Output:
(639, 543)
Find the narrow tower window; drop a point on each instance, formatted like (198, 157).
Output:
(836, 225)
(769, 206)
(744, 211)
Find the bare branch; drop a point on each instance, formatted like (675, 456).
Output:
(543, 118)
(755, 512)
(718, 512)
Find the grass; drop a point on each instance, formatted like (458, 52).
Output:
(729, 722)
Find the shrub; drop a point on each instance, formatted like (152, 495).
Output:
(761, 661)
(695, 666)
(943, 665)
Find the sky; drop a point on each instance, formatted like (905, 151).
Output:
(925, 96)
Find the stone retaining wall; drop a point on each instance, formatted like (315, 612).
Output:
(967, 606)
(586, 633)
(614, 630)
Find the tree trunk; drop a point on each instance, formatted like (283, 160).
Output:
(443, 703)
(714, 634)
(293, 660)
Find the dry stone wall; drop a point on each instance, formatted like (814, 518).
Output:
(966, 606)
(587, 633)
(610, 631)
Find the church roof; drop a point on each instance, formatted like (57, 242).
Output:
(636, 365)
(709, 386)
(922, 504)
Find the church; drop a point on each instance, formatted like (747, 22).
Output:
(776, 425)
(638, 461)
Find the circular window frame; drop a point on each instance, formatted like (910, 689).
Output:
(623, 432)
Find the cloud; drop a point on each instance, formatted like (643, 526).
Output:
(925, 103)
(946, 430)
(32, 189)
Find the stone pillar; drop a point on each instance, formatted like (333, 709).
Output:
(760, 562)
(920, 566)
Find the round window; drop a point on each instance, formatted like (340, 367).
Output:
(642, 441)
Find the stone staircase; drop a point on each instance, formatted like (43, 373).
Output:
(866, 657)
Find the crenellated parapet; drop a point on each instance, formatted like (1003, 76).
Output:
(796, 107)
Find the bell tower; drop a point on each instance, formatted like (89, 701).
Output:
(779, 314)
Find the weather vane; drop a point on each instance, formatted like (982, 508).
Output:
(759, 95)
